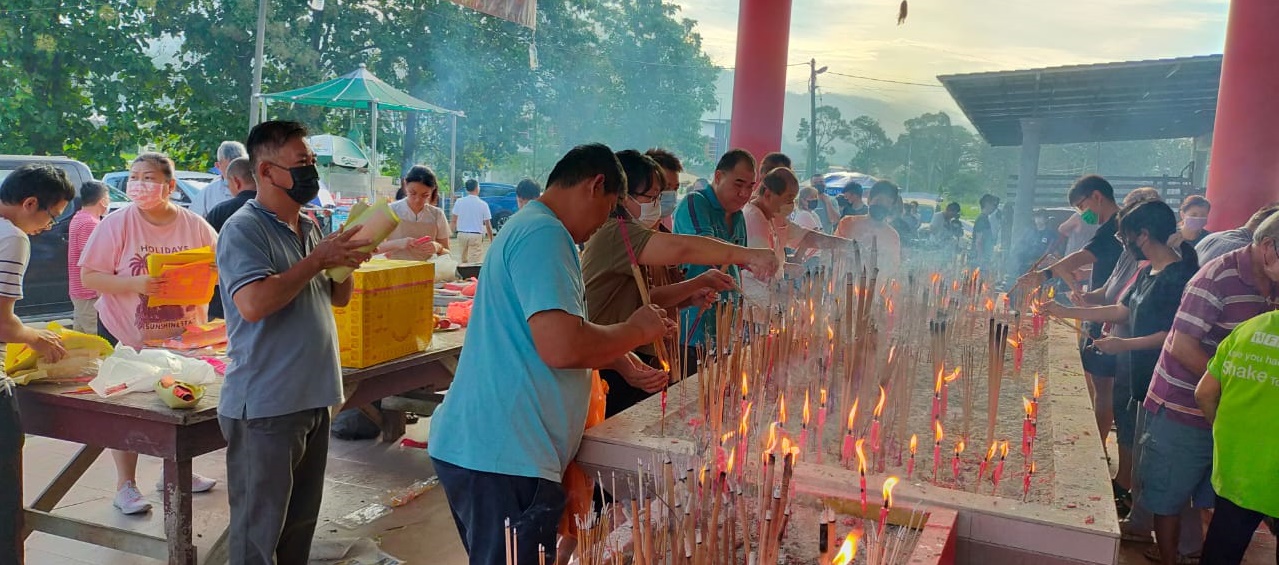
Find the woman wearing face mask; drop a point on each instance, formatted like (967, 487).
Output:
(611, 290)
(423, 232)
(874, 228)
(805, 214)
(114, 263)
(1194, 216)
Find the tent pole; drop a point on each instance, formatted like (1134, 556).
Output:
(373, 164)
(257, 63)
(453, 158)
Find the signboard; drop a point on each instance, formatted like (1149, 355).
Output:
(523, 12)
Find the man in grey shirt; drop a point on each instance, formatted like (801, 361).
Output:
(284, 373)
(1216, 244)
(218, 191)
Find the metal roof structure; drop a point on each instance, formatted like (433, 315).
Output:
(1153, 99)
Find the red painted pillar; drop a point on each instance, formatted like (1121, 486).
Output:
(1244, 171)
(759, 76)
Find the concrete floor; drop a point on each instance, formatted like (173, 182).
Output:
(358, 473)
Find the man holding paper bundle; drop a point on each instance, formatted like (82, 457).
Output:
(514, 416)
(284, 373)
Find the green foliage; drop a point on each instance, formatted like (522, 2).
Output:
(831, 127)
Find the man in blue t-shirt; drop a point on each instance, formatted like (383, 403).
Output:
(514, 417)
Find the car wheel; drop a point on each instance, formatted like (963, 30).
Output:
(500, 219)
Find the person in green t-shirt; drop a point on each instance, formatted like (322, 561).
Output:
(1240, 401)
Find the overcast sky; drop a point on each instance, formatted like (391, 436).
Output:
(860, 37)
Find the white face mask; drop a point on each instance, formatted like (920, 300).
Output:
(145, 195)
(650, 213)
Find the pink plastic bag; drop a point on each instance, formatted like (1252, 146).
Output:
(460, 312)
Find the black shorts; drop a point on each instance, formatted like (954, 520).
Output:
(1096, 363)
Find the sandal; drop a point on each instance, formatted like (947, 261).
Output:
(1152, 553)
(1123, 499)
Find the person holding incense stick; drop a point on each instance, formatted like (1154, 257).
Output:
(768, 226)
(1238, 397)
(613, 294)
(514, 416)
(714, 211)
(1175, 461)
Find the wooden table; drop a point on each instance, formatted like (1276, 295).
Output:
(141, 423)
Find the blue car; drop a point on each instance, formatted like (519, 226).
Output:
(501, 200)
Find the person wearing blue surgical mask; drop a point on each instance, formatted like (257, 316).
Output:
(1194, 217)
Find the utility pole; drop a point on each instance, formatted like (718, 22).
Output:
(812, 118)
(258, 63)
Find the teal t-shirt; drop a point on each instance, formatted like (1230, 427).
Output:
(1245, 452)
(507, 412)
(700, 213)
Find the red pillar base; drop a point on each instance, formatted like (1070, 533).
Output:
(759, 81)
(1244, 171)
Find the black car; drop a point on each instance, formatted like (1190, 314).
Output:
(44, 287)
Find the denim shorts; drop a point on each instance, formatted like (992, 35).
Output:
(1126, 408)
(1176, 465)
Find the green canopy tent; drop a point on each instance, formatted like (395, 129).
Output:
(361, 90)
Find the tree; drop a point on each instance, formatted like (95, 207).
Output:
(934, 153)
(870, 141)
(831, 127)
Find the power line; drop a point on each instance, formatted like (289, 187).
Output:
(885, 80)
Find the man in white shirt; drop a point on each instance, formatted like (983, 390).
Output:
(471, 222)
(217, 191)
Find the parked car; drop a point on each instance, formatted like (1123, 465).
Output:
(183, 196)
(501, 200)
(44, 287)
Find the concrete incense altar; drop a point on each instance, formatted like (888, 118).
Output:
(849, 383)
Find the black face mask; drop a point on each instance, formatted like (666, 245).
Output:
(1134, 249)
(878, 211)
(812, 204)
(306, 183)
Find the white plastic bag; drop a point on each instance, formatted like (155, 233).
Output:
(128, 370)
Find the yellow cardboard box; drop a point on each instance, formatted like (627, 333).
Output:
(391, 313)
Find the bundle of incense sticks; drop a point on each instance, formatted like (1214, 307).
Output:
(996, 349)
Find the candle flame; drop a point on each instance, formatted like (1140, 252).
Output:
(976, 274)
(861, 455)
(852, 415)
(781, 409)
(785, 445)
(954, 285)
(1025, 404)
(954, 374)
(724, 438)
(1037, 389)
(847, 551)
(732, 456)
(823, 397)
(936, 277)
(772, 439)
(959, 447)
(937, 431)
(746, 416)
(666, 367)
(889, 483)
(701, 476)
(888, 304)
(879, 406)
(1032, 467)
(1052, 293)
(1014, 343)
(990, 305)
(745, 387)
(806, 413)
(941, 377)
(914, 442)
(990, 453)
(830, 333)
(1003, 450)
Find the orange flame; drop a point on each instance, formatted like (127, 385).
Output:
(745, 387)
(1032, 467)
(959, 447)
(823, 397)
(879, 406)
(990, 453)
(746, 416)
(889, 483)
(847, 551)
(785, 445)
(1025, 404)
(936, 277)
(990, 305)
(861, 455)
(937, 431)
(1003, 449)
(806, 414)
(954, 285)
(772, 439)
(976, 274)
(954, 374)
(941, 376)
(852, 415)
(830, 333)
(1014, 342)
(724, 438)
(732, 456)
(666, 367)
(1037, 389)
(781, 409)
(889, 305)
(914, 442)
(1052, 293)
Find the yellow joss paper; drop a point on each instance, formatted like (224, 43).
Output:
(375, 222)
(189, 277)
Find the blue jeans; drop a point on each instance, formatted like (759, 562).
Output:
(482, 502)
(1176, 465)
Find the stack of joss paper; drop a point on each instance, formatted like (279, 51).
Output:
(189, 277)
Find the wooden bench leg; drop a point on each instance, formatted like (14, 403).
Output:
(177, 512)
(393, 425)
(64, 480)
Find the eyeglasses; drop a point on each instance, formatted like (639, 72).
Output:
(52, 219)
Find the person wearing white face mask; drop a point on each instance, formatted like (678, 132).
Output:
(1194, 217)
(114, 263)
(769, 224)
(629, 239)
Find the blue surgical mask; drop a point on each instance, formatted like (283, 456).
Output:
(668, 201)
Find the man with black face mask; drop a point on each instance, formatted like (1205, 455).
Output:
(874, 227)
(284, 373)
(984, 232)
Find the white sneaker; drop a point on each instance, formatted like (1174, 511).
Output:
(199, 483)
(129, 500)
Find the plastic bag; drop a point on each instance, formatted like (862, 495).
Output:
(128, 370)
(460, 312)
(578, 487)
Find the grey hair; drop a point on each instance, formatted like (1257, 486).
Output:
(1143, 194)
(231, 150)
(1268, 229)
